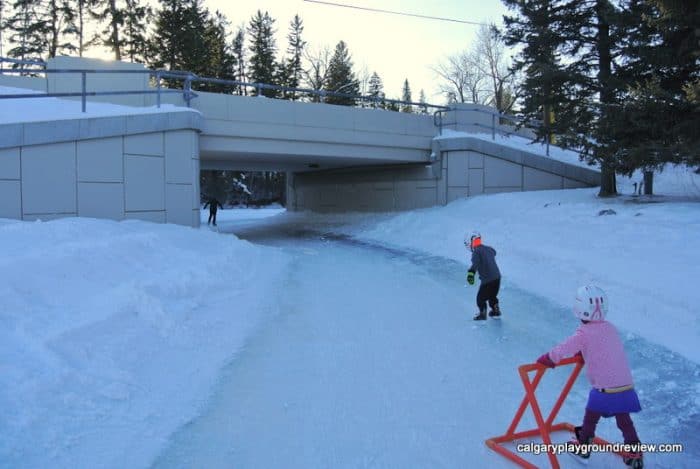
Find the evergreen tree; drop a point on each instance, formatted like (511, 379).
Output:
(136, 18)
(392, 106)
(376, 92)
(108, 12)
(26, 24)
(221, 63)
(262, 67)
(340, 77)
(238, 49)
(292, 69)
(179, 40)
(3, 5)
(80, 12)
(421, 100)
(59, 27)
(406, 96)
(582, 90)
(659, 119)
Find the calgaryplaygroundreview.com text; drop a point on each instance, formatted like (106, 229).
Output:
(560, 448)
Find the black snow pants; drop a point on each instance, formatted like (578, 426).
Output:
(488, 292)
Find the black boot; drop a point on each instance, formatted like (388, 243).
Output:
(581, 448)
(634, 459)
(495, 311)
(482, 315)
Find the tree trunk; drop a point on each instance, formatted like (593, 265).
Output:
(608, 186)
(115, 30)
(648, 182)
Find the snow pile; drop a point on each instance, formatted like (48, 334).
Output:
(21, 110)
(524, 144)
(114, 333)
(645, 255)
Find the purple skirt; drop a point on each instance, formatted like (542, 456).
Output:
(609, 404)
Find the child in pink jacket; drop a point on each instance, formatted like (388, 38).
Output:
(607, 370)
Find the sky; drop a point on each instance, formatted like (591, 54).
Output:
(396, 47)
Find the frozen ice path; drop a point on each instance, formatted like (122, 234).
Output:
(376, 362)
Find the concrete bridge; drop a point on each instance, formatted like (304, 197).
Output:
(136, 163)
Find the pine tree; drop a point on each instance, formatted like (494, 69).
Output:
(221, 62)
(376, 92)
(421, 100)
(581, 90)
(136, 17)
(59, 28)
(238, 49)
(80, 13)
(262, 62)
(108, 12)
(406, 96)
(26, 24)
(340, 77)
(179, 39)
(659, 119)
(291, 69)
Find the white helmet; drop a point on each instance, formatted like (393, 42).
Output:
(591, 303)
(469, 239)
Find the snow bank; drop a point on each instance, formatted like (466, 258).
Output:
(524, 144)
(42, 109)
(645, 255)
(113, 334)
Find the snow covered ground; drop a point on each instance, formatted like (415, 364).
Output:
(126, 344)
(113, 334)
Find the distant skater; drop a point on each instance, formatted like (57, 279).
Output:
(484, 262)
(213, 206)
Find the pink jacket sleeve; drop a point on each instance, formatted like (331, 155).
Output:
(569, 347)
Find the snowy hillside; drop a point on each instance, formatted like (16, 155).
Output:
(114, 332)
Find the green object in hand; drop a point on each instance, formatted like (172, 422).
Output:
(470, 278)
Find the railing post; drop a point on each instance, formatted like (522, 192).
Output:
(493, 126)
(549, 137)
(83, 97)
(158, 88)
(188, 89)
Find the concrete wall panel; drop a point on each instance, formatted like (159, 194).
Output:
(144, 183)
(9, 163)
(179, 151)
(569, 184)
(498, 190)
(48, 178)
(476, 181)
(454, 193)
(144, 144)
(154, 217)
(322, 115)
(101, 200)
(177, 203)
(501, 173)
(100, 160)
(458, 169)
(10, 200)
(476, 160)
(538, 180)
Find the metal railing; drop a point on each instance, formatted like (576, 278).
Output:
(187, 78)
(496, 125)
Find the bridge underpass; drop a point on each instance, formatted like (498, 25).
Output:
(336, 157)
